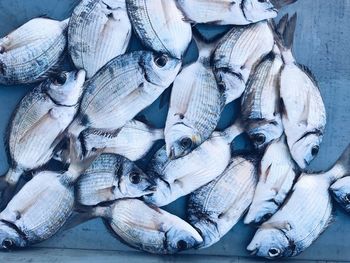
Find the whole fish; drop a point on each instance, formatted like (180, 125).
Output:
(29, 52)
(304, 216)
(216, 207)
(236, 55)
(122, 88)
(111, 177)
(229, 12)
(303, 111)
(41, 116)
(179, 177)
(195, 107)
(133, 140)
(261, 101)
(277, 173)
(160, 26)
(143, 227)
(98, 31)
(41, 207)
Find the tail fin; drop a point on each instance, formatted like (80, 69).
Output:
(8, 185)
(234, 130)
(341, 168)
(205, 46)
(278, 4)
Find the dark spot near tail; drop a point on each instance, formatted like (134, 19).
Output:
(84, 120)
(2, 68)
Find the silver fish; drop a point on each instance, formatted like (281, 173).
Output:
(237, 53)
(261, 101)
(143, 227)
(111, 177)
(133, 140)
(160, 25)
(216, 207)
(224, 12)
(122, 88)
(41, 116)
(341, 188)
(304, 216)
(41, 207)
(303, 112)
(98, 31)
(179, 177)
(30, 51)
(277, 173)
(196, 104)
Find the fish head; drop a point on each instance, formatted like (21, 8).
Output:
(160, 69)
(270, 243)
(180, 141)
(181, 237)
(133, 182)
(229, 82)
(264, 133)
(341, 192)
(257, 10)
(65, 88)
(305, 150)
(10, 238)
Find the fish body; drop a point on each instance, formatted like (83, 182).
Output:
(216, 207)
(227, 12)
(111, 177)
(30, 51)
(41, 116)
(133, 140)
(122, 88)
(303, 217)
(277, 173)
(179, 177)
(237, 53)
(261, 101)
(303, 113)
(160, 26)
(98, 32)
(195, 107)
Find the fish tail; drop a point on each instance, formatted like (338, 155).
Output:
(234, 130)
(77, 164)
(8, 184)
(205, 46)
(282, 3)
(341, 168)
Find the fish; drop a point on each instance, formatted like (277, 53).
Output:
(98, 32)
(237, 54)
(160, 25)
(261, 101)
(29, 53)
(142, 226)
(122, 88)
(340, 189)
(196, 104)
(231, 12)
(41, 116)
(277, 174)
(179, 177)
(303, 111)
(304, 216)
(133, 140)
(216, 207)
(42, 206)
(111, 177)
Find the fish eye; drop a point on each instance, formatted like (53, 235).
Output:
(135, 178)
(93, 149)
(60, 79)
(274, 252)
(347, 198)
(259, 139)
(315, 150)
(186, 143)
(266, 217)
(161, 60)
(7, 243)
(181, 245)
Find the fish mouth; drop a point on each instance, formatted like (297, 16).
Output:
(253, 252)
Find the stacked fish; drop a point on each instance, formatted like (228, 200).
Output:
(86, 118)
